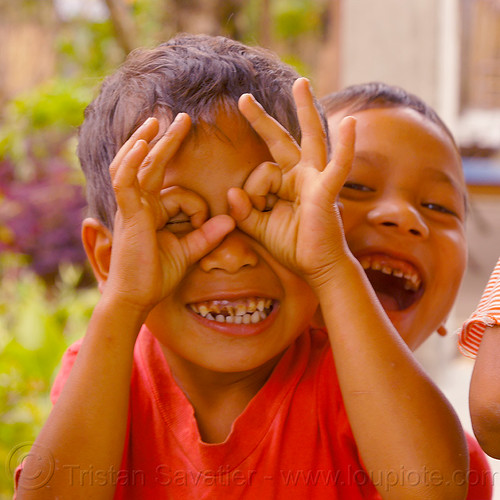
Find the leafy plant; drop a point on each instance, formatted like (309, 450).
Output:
(41, 187)
(37, 324)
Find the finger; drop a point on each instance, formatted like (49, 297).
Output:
(337, 170)
(147, 132)
(340, 206)
(247, 218)
(262, 185)
(314, 141)
(203, 240)
(125, 185)
(152, 171)
(280, 143)
(178, 200)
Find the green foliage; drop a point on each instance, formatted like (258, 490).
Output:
(88, 50)
(58, 104)
(152, 19)
(297, 17)
(37, 158)
(42, 123)
(37, 324)
(297, 63)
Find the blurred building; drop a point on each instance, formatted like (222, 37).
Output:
(445, 51)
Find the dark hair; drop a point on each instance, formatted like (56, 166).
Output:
(379, 95)
(190, 73)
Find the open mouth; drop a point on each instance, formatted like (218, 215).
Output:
(245, 311)
(397, 283)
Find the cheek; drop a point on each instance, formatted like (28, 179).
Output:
(451, 264)
(351, 216)
(301, 300)
(455, 255)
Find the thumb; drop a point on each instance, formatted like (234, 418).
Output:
(208, 236)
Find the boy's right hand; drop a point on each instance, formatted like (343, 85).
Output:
(147, 260)
(303, 228)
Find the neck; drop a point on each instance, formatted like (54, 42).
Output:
(218, 398)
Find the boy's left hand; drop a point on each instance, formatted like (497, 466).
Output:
(303, 229)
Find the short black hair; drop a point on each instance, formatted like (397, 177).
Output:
(372, 95)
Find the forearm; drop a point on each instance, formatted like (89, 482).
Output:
(86, 428)
(408, 435)
(484, 397)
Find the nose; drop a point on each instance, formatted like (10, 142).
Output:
(401, 215)
(233, 254)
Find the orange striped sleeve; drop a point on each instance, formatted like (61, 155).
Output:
(486, 314)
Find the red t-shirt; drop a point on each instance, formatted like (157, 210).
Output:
(292, 441)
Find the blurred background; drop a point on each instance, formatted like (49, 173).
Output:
(55, 53)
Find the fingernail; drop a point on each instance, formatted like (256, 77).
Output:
(179, 117)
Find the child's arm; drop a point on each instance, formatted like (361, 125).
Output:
(407, 434)
(137, 267)
(484, 397)
(479, 337)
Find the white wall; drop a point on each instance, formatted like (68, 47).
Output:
(413, 44)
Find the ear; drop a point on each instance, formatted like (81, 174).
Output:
(97, 240)
(442, 330)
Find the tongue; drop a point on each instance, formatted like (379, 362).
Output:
(389, 303)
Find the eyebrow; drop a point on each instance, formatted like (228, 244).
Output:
(440, 176)
(372, 157)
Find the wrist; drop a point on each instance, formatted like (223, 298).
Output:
(335, 273)
(116, 309)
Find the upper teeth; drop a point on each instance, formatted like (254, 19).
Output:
(394, 268)
(244, 311)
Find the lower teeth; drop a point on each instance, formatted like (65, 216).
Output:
(245, 319)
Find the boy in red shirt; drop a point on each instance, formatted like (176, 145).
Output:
(404, 205)
(213, 244)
